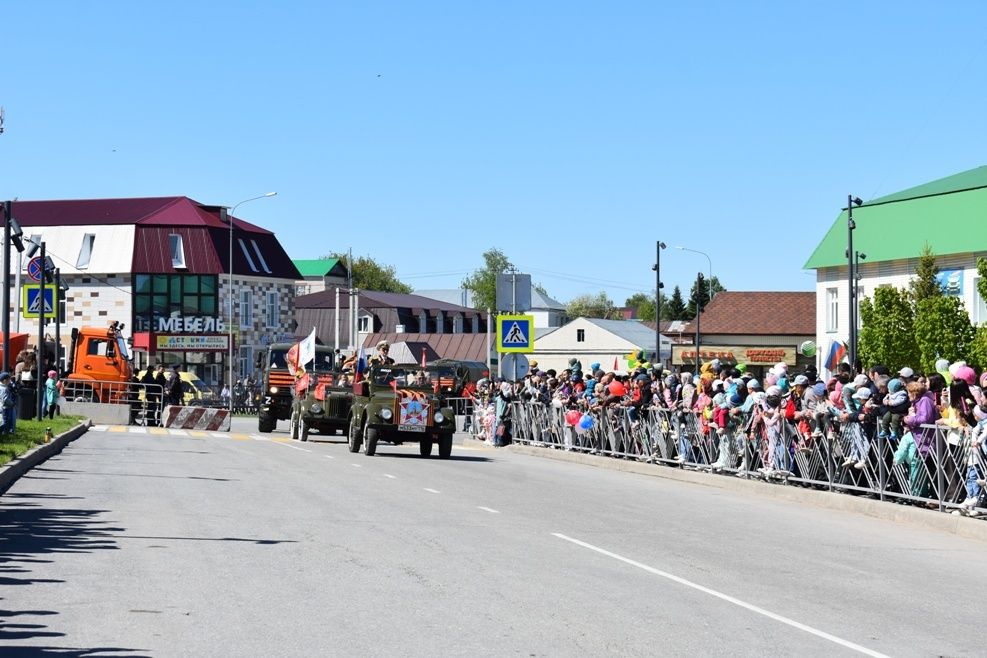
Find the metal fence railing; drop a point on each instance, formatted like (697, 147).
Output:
(146, 401)
(939, 471)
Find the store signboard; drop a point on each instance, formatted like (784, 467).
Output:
(190, 343)
(752, 356)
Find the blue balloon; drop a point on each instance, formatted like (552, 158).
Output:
(586, 422)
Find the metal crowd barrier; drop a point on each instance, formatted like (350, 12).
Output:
(849, 461)
(146, 401)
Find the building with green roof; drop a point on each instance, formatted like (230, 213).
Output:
(318, 274)
(948, 214)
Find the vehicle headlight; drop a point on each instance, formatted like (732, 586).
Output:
(439, 418)
(274, 389)
(316, 408)
(385, 413)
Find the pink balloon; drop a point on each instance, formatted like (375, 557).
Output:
(572, 417)
(616, 388)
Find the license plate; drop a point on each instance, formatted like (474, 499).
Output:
(410, 428)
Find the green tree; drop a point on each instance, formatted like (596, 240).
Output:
(644, 305)
(368, 274)
(482, 283)
(702, 290)
(942, 330)
(591, 306)
(887, 334)
(675, 308)
(925, 285)
(977, 354)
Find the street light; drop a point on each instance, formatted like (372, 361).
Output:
(229, 216)
(852, 201)
(12, 234)
(699, 294)
(657, 268)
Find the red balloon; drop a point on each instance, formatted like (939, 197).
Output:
(616, 388)
(572, 417)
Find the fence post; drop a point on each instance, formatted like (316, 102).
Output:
(881, 466)
(939, 473)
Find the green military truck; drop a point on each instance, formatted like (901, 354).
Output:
(323, 407)
(278, 392)
(402, 404)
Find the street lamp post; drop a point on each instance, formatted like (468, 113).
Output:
(11, 234)
(229, 328)
(699, 294)
(659, 245)
(851, 201)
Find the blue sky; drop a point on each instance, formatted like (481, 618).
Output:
(571, 135)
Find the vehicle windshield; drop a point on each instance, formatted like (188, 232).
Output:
(323, 361)
(279, 358)
(413, 376)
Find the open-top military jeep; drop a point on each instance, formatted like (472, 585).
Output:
(321, 402)
(402, 404)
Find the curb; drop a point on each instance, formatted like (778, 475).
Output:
(887, 511)
(14, 469)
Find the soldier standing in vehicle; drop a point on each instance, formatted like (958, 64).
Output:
(381, 358)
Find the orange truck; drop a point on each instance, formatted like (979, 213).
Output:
(99, 366)
(18, 343)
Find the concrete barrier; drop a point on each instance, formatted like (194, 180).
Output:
(197, 418)
(97, 412)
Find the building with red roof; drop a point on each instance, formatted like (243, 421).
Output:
(162, 265)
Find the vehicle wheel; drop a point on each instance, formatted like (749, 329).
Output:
(354, 436)
(304, 430)
(370, 436)
(445, 446)
(425, 448)
(293, 425)
(265, 423)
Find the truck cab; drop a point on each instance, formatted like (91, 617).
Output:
(100, 365)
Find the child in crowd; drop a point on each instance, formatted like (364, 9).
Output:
(896, 407)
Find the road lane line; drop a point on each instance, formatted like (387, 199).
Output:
(432, 490)
(328, 456)
(99, 428)
(357, 465)
(487, 509)
(390, 477)
(726, 597)
(136, 430)
(288, 445)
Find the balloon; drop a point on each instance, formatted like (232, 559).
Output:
(616, 388)
(741, 367)
(954, 367)
(942, 365)
(770, 379)
(807, 348)
(572, 417)
(586, 422)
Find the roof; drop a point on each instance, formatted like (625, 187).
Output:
(463, 347)
(370, 299)
(319, 267)
(759, 313)
(539, 301)
(633, 331)
(899, 225)
(134, 235)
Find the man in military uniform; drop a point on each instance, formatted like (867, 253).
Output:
(381, 358)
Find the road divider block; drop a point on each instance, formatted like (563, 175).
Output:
(197, 418)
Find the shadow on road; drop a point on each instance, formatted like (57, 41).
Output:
(453, 458)
(32, 533)
(129, 475)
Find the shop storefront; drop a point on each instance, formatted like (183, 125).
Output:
(757, 359)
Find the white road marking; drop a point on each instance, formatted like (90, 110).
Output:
(726, 597)
(288, 445)
(175, 432)
(432, 490)
(219, 435)
(259, 438)
(99, 428)
(487, 509)
(137, 430)
(389, 476)
(357, 465)
(328, 456)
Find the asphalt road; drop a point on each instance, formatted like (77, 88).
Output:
(159, 545)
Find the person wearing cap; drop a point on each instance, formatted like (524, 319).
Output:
(6, 403)
(860, 419)
(906, 375)
(51, 394)
(381, 358)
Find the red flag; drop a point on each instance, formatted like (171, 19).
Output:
(423, 357)
(292, 359)
(394, 385)
(615, 364)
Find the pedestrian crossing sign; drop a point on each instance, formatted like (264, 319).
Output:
(515, 333)
(34, 303)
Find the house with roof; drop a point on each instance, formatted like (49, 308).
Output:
(318, 274)
(393, 316)
(593, 340)
(948, 214)
(162, 266)
(547, 312)
(758, 329)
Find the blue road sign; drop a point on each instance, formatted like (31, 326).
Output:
(34, 269)
(34, 303)
(515, 333)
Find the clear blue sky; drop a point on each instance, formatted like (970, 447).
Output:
(571, 135)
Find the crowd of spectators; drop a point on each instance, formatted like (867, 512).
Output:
(786, 413)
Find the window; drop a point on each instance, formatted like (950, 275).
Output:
(363, 324)
(457, 324)
(580, 335)
(246, 361)
(86, 251)
(246, 308)
(979, 306)
(260, 256)
(440, 322)
(423, 322)
(273, 310)
(173, 295)
(832, 309)
(177, 251)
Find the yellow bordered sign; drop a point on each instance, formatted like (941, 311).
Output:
(515, 333)
(33, 301)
